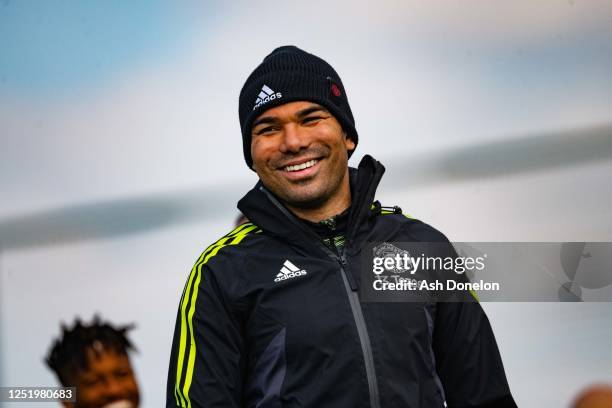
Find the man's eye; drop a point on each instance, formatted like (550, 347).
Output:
(122, 373)
(266, 129)
(311, 119)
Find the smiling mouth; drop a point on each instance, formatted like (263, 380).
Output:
(120, 404)
(302, 166)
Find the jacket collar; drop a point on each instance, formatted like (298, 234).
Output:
(263, 209)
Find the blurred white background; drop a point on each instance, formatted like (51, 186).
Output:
(121, 158)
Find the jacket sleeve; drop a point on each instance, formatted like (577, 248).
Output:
(467, 358)
(207, 357)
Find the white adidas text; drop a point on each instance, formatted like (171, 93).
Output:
(291, 275)
(266, 95)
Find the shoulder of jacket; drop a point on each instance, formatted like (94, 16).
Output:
(225, 248)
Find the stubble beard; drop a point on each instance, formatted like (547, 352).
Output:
(309, 200)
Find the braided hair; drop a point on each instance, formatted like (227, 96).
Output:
(69, 353)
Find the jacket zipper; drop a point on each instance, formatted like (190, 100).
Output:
(351, 292)
(364, 338)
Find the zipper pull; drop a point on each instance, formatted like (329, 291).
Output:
(343, 260)
(347, 273)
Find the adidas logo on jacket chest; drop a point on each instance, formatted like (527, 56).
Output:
(289, 271)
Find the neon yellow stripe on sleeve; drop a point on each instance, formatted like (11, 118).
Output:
(236, 236)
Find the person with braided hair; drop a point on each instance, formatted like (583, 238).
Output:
(94, 359)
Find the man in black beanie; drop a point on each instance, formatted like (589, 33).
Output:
(271, 314)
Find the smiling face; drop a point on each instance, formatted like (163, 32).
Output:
(300, 153)
(108, 381)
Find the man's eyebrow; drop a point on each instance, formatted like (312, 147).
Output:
(300, 115)
(311, 109)
(265, 119)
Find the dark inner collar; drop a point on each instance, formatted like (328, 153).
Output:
(330, 227)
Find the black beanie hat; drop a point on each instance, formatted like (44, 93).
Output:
(290, 74)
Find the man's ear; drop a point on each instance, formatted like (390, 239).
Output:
(349, 143)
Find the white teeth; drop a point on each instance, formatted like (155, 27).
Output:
(301, 166)
(120, 404)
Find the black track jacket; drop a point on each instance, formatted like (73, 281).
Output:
(245, 337)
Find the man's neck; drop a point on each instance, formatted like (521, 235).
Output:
(317, 215)
(333, 207)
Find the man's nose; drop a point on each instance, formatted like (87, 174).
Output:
(294, 139)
